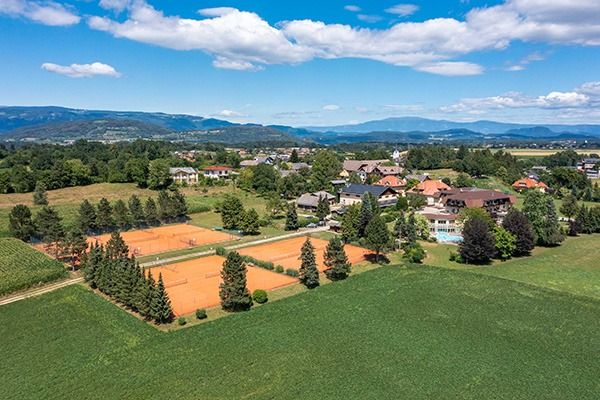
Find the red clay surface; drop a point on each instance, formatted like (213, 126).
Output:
(287, 252)
(166, 238)
(195, 284)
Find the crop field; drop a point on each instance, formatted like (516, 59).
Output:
(573, 267)
(195, 283)
(517, 152)
(22, 266)
(394, 332)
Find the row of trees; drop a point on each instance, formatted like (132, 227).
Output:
(170, 206)
(111, 270)
(521, 231)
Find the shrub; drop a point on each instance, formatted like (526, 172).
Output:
(279, 269)
(260, 296)
(456, 257)
(201, 313)
(414, 253)
(181, 321)
(221, 251)
(291, 272)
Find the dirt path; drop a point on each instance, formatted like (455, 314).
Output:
(38, 291)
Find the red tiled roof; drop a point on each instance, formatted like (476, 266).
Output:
(391, 180)
(430, 187)
(528, 183)
(217, 168)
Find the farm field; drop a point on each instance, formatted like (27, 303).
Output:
(195, 283)
(21, 266)
(573, 267)
(393, 332)
(287, 252)
(542, 152)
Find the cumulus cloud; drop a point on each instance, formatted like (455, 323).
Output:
(82, 70)
(585, 97)
(243, 40)
(331, 107)
(115, 5)
(352, 8)
(46, 13)
(403, 10)
(230, 114)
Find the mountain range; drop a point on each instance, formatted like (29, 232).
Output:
(59, 124)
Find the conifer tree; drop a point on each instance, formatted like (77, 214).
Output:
(477, 246)
(104, 215)
(366, 214)
(138, 217)
(291, 218)
(323, 208)
(336, 261)
(308, 272)
(232, 212)
(20, 223)
(517, 223)
(116, 248)
(86, 218)
(350, 224)
(377, 236)
(92, 263)
(49, 227)
(74, 246)
(151, 212)
(165, 208)
(411, 229)
(294, 158)
(40, 197)
(147, 297)
(541, 212)
(161, 305)
(178, 205)
(121, 214)
(233, 291)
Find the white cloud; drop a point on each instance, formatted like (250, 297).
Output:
(115, 5)
(404, 10)
(521, 65)
(230, 114)
(244, 41)
(331, 107)
(352, 8)
(369, 18)
(82, 70)
(46, 13)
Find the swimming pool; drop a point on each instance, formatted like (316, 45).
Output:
(445, 237)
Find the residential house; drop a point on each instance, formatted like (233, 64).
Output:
(185, 175)
(269, 160)
(392, 181)
(384, 170)
(294, 169)
(353, 193)
(431, 189)
(590, 167)
(441, 221)
(363, 168)
(417, 177)
(217, 172)
(493, 201)
(310, 201)
(525, 184)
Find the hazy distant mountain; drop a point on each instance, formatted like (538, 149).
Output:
(414, 124)
(18, 117)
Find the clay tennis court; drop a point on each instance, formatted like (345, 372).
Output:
(195, 284)
(166, 238)
(287, 252)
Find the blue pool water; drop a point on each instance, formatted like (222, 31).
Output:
(445, 237)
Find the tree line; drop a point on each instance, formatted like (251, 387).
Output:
(113, 272)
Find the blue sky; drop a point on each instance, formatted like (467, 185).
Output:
(307, 63)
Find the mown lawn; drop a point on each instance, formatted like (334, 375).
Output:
(573, 267)
(21, 266)
(394, 332)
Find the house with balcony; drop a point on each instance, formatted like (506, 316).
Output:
(353, 193)
(184, 175)
(430, 189)
(525, 184)
(493, 201)
(217, 172)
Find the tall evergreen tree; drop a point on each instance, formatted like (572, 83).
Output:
(411, 229)
(147, 297)
(20, 223)
(104, 215)
(92, 263)
(308, 272)
(86, 218)
(377, 236)
(49, 227)
(477, 246)
(121, 214)
(366, 214)
(232, 212)
(294, 158)
(350, 224)
(40, 197)
(517, 223)
(137, 211)
(250, 223)
(233, 291)
(541, 211)
(74, 246)
(179, 205)
(336, 261)
(291, 218)
(323, 208)
(165, 206)
(116, 248)
(161, 305)
(151, 212)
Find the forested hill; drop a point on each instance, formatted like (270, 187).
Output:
(17, 117)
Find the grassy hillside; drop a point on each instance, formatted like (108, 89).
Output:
(22, 266)
(417, 333)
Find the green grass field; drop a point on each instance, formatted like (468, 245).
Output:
(393, 332)
(21, 266)
(573, 267)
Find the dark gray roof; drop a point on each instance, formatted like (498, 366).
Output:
(355, 188)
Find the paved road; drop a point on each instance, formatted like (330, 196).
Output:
(38, 291)
(54, 286)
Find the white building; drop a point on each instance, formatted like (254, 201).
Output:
(185, 175)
